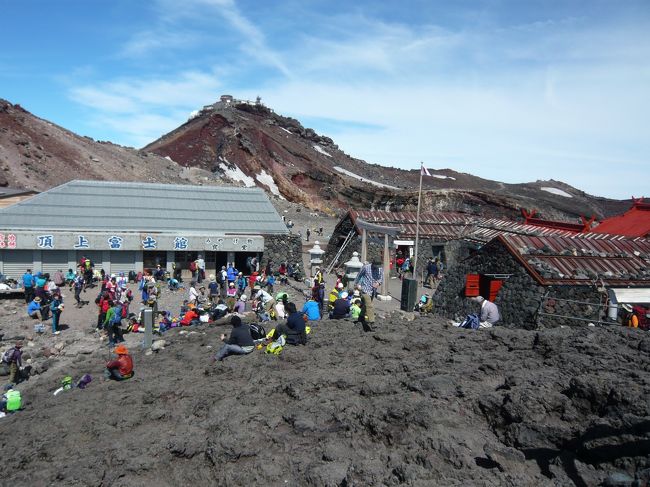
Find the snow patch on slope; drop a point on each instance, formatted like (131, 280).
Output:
(556, 191)
(237, 174)
(287, 131)
(170, 159)
(321, 150)
(266, 179)
(356, 176)
(440, 176)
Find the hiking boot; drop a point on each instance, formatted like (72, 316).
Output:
(57, 332)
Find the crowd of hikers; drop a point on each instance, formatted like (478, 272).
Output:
(248, 302)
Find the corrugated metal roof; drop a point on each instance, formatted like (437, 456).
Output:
(450, 226)
(140, 207)
(579, 260)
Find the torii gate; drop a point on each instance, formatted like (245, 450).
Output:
(387, 231)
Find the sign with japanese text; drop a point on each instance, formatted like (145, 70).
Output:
(53, 240)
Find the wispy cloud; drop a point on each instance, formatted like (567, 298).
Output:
(146, 42)
(507, 99)
(144, 109)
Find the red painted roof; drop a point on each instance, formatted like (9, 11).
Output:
(635, 222)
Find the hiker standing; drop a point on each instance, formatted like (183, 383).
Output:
(28, 285)
(56, 306)
(200, 269)
(78, 285)
(370, 278)
(213, 289)
(432, 273)
(308, 233)
(13, 358)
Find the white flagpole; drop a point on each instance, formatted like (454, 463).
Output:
(417, 226)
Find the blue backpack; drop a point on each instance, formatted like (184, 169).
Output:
(472, 322)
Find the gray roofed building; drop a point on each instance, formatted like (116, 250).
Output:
(143, 207)
(124, 227)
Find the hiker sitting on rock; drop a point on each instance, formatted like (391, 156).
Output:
(240, 341)
(122, 367)
(295, 327)
(35, 311)
(489, 312)
(341, 307)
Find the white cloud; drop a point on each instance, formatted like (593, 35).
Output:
(144, 42)
(561, 98)
(144, 109)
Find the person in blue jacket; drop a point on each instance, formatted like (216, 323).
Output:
(28, 284)
(35, 310)
(312, 310)
(231, 273)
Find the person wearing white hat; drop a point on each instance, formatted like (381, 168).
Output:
(630, 318)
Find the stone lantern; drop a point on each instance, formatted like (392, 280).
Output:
(353, 266)
(315, 257)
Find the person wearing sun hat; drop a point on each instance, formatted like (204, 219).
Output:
(34, 309)
(122, 367)
(630, 318)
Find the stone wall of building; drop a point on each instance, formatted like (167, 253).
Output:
(520, 296)
(282, 248)
(453, 251)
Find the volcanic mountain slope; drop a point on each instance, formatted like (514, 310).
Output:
(36, 154)
(239, 142)
(251, 143)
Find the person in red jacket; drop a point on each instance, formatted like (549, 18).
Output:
(190, 318)
(103, 304)
(122, 368)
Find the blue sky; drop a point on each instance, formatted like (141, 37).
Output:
(508, 90)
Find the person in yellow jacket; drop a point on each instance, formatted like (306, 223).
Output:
(334, 295)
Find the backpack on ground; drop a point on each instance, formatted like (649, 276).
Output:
(257, 331)
(8, 355)
(275, 348)
(14, 400)
(472, 322)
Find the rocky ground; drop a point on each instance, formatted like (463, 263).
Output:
(418, 402)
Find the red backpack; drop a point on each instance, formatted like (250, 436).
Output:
(193, 266)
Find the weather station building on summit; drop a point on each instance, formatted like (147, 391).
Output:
(123, 227)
